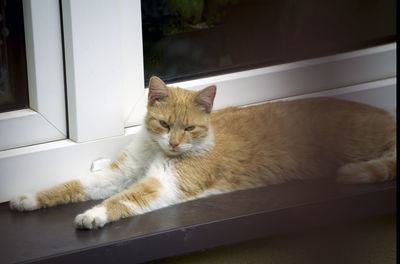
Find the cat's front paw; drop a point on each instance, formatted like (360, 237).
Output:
(26, 202)
(92, 219)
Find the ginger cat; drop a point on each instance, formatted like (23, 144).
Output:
(185, 151)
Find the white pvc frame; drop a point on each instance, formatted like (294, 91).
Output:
(104, 65)
(45, 120)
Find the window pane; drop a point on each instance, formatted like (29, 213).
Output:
(185, 39)
(13, 77)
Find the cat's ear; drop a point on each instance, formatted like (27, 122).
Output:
(158, 90)
(205, 98)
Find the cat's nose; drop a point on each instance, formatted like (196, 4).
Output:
(173, 144)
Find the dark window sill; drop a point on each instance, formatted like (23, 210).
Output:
(48, 235)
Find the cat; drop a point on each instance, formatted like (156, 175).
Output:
(185, 151)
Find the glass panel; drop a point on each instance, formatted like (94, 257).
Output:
(13, 76)
(186, 39)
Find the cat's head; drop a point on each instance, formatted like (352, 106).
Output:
(178, 119)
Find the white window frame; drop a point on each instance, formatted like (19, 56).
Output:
(105, 75)
(104, 71)
(45, 120)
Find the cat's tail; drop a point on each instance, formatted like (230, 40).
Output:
(371, 171)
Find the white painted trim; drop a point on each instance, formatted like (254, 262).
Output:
(381, 94)
(132, 54)
(46, 121)
(45, 61)
(93, 68)
(26, 127)
(52, 163)
(290, 79)
(390, 82)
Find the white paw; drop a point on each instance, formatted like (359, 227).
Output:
(26, 202)
(92, 218)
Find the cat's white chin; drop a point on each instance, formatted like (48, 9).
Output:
(173, 152)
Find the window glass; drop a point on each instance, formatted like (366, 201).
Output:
(185, 39)
(13, 76)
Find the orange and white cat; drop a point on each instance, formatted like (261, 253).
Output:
(185, 151)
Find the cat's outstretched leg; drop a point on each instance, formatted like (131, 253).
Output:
(102, 184)
(71, 191)
(149, 194)
(97, 185)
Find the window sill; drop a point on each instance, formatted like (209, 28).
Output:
(192, 226)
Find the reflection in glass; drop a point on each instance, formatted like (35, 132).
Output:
(186, 39)
(13, 76)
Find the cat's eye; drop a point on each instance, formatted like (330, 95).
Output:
(164, 124)
(189, 128)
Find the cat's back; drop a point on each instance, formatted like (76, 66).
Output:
(301, 126)
(304, 112)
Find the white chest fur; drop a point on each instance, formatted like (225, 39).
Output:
(141, 159)
(161, 169)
